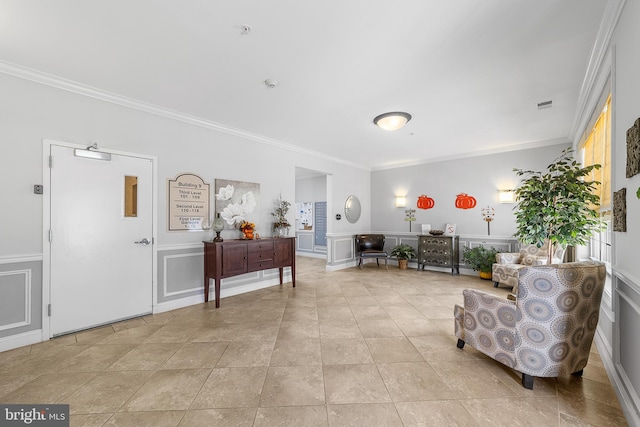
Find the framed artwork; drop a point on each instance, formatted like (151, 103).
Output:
(237, 201)
(426, 228)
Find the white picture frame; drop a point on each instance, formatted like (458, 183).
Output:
(426, 228)
(450, 230)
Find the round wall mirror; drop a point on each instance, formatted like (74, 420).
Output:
(352, 209)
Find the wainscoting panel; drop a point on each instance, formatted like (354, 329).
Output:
(182, 273)
(20, 296)
(627, 344)
(304, 241)
(15, 299)
(343, 249)
(501, 244)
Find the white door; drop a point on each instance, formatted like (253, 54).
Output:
(101, 218)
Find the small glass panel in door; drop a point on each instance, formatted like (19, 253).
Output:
(130, 196)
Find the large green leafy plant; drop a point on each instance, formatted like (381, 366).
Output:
(557, 205)
(480, 258)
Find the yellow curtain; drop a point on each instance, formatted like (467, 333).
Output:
(597, 150)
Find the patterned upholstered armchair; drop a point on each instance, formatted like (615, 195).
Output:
(547, 331)
(508, 264)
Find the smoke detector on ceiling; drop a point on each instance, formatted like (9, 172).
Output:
(270, 83)
(245, 29)
(545, 104)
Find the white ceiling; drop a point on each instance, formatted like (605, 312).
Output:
(470, 72)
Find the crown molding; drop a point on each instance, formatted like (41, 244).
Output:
(92, 92)
(600, 56)
(499, 150)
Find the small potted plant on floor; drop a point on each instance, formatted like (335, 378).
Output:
(480, 259)
(404, 253)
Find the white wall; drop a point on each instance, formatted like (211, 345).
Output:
(626, 110)
(480, 177)
(32, 111)
(626, 269)
(312, 189)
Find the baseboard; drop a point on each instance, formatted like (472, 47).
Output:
(20, 340)
(626, 400)
(235, 290)
(321, 255)
(337, 267)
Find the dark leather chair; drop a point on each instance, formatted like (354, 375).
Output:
(371, 246)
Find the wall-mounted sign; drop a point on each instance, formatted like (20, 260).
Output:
(188, 202)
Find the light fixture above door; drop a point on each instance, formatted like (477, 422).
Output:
(392, 121)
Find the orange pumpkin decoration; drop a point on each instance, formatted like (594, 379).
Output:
(425, 202)
(465, 201)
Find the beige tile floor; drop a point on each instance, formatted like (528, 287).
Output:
(366, 347)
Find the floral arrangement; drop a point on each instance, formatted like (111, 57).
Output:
(247, 226)
(280, 213)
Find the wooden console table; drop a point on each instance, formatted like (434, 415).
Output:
(234, 257)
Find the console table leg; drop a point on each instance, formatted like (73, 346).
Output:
(217, 293)
(206, 289)
(281, 273)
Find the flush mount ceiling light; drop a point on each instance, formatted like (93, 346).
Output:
(392, 121)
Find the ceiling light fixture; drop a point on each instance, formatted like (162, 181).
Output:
(392, 121)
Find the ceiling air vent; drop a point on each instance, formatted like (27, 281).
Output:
(545, 104)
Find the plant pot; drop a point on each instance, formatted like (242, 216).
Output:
(486, 275)
(403, 263)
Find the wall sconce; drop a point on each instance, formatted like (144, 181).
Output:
(506, 196)
(401, 201)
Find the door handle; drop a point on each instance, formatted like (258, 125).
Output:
(144, 241)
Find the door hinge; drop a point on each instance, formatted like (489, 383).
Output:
(49, 310)
(50, 236)
(50, 162)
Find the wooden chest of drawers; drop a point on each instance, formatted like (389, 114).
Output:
(438, 251)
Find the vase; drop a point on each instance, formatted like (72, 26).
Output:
(280, 231)
(247, 234)
(403, 263)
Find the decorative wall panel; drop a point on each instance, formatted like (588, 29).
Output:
(633, 149)
(620, 210)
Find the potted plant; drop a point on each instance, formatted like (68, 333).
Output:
(480, 259)
(557, 205)
(404, 253)
(281, 224)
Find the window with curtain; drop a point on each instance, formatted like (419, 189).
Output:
(596, 149)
